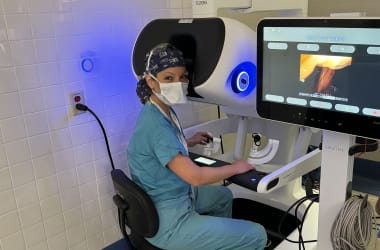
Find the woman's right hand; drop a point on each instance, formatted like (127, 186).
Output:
(242, 166)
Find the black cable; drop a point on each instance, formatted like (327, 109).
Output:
(225, 182)
(83, 107)
(287, 213)
(220, 136)
(309, 184)
(363, 145)
(301, 244)
(313, 198)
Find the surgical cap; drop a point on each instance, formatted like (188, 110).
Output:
(161, 57)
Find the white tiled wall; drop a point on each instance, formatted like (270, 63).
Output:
(55, 187)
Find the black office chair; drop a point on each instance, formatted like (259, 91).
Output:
(136, 210)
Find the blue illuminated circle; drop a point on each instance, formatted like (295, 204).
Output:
(242, 81)
(87, 65)
(243, 78)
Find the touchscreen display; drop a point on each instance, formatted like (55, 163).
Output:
(204, 161)
(322, 73)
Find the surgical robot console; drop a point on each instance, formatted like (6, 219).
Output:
(221, 57)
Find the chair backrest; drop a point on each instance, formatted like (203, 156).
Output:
(141, 214)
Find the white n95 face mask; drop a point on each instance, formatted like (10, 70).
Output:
(172, 93)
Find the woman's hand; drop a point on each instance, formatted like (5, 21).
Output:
(242, 166)
(191, 173)
(201, 138)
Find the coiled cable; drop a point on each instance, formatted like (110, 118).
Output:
(352, 227)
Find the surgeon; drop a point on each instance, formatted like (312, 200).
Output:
(192, 214)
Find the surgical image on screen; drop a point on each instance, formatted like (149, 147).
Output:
(319, 71)
(342, 82)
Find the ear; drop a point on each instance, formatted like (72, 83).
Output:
(151, 83)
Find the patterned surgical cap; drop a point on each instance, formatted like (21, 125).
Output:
(163, 56)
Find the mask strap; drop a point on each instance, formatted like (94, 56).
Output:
(154, 78)
(151, 53)
(148, 62)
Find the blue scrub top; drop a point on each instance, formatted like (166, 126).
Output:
(153, 145)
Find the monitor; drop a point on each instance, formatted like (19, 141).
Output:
(320, 72)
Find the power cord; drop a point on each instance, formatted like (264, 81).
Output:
(116, 198)
(352, 227)
(301, 242)
(83, 107)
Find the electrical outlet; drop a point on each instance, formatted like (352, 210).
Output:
(75, 98)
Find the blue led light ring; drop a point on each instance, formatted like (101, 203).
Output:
(87, 65)
(242, 78)
(242, 81)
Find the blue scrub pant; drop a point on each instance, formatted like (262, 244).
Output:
(208, 226)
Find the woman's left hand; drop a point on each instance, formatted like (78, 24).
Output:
(201, 138)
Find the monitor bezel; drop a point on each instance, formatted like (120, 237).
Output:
(348, 123)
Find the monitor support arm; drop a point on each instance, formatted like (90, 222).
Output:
(336, 182)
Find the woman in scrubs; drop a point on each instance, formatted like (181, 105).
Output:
(192, 213)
